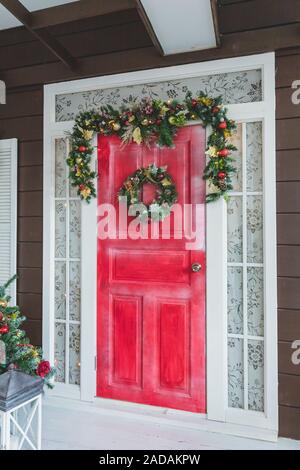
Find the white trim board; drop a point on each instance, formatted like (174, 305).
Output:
(217, 409)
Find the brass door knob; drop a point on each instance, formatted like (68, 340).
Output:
(196, 267)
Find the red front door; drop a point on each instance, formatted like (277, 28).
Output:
(151, 305)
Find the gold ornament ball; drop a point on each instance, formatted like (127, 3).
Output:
(116, 126)
(3, 303)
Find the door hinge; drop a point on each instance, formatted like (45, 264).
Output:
(95, 362)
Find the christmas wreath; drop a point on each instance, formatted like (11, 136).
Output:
(155, 121)
(166, 194)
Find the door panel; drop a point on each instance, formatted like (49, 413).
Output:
(151, 306)
(126, 340)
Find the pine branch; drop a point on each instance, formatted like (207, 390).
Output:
(4, 288)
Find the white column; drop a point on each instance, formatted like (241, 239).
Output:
(216, 314)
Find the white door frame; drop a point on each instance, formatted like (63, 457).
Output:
(217, 409)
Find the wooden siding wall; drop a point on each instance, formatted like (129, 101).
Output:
(116, 43)
(288, 232)
(253, 15)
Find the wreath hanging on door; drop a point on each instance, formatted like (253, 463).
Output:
(155, 121)
(166, 194)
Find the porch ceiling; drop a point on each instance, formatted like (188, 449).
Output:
(8, 20)
(174, 26)
(245, 27)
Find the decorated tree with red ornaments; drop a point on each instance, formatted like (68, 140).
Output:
(15, 349)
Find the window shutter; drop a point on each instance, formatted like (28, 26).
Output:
(8, 212)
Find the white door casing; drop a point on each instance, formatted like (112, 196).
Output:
(217, 396)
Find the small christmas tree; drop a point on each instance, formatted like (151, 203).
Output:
(15, 348)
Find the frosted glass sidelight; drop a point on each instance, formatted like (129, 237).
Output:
(235, 300)
(235, 229)
(256, 375)
(60, 290)
(237, 141)
(245, 273)
(254, 156)
(75, 228)
(235, 373)
(254, 229)
(60, 167)
(255, 301)
(74, 354)
(67, 271)
(74, 290)
(60, 229)
(60, 351)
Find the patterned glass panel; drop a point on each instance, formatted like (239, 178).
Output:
(250, 308)
(235, 300)
(237, 141)
(72, 190)
(60, 290)
(60, 167)
(255, 229)
(74, 304)
(67, 271)
(235, 229)
(256, 375)
(254, 156)
(60, 351)
(74, 354)
(75, 228)
(60, 229)
(255, 300)
(235, 87)
(235, 373)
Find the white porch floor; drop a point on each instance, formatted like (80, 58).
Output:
(71, 425)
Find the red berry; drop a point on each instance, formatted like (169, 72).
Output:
(221, 175)
(222, 125)
(82, 148)
(215, 109)
(223, 153)
(81, 187)
(194, 102)
(158, 122)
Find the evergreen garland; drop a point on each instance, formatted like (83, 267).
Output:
(155, 121)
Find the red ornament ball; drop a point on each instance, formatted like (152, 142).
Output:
(222, 125)
(4, 329)
(223, 153)
(221, 175)
(82, 148)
